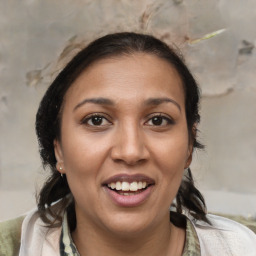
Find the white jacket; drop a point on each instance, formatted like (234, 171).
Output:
(224, 238)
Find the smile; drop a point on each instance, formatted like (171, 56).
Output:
(128, 187)
(129, 190)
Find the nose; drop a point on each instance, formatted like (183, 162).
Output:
(129, 145)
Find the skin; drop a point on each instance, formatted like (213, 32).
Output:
(127, 141)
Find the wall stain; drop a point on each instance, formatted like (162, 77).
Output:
(147, 15)
(247, 48)
(3, 100)
(72, 45)
(178, 1)
(217, 95)
(35, 77)
(3, 105)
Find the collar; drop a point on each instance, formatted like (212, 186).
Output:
(67, 246)
(37, 238)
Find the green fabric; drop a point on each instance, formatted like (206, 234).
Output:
(192, 246)
(10, 232)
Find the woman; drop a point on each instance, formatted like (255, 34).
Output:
(117, 128)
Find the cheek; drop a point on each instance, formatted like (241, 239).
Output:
(170, 157)
(172, 153)
(83, 155)
(83, 159)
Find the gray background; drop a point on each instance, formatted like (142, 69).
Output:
(38, 36)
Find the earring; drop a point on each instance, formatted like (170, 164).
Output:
(61, 174)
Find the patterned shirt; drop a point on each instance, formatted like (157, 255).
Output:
(68, 248)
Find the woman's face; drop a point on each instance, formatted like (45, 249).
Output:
(124, 142)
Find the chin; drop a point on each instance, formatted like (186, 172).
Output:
(128, 224)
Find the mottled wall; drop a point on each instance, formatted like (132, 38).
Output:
(34, 34)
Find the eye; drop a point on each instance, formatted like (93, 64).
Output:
(159, 120)
(96, 120)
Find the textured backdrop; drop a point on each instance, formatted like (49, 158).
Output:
(38, 36)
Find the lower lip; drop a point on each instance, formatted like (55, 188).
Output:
(130, 200)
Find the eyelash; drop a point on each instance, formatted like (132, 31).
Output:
(95, 115)
(169, 121)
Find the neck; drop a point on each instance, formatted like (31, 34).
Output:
(164, 239)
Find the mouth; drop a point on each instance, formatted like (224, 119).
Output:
(129, 190)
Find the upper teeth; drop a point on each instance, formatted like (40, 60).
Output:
(126, 186)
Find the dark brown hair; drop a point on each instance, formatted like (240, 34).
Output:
(49, 115)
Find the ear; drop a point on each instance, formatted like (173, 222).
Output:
(189, 158)
(191, 146)
(59, 156)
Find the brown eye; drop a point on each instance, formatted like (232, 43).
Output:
(96, 120)
(159, 120)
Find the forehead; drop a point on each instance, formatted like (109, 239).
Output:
(128, 75)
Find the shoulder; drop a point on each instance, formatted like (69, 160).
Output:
(10, 233)
(237, 223)
(225, 237)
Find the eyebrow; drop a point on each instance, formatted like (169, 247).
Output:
(158, 101)
(148, 102)
(99, 101)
